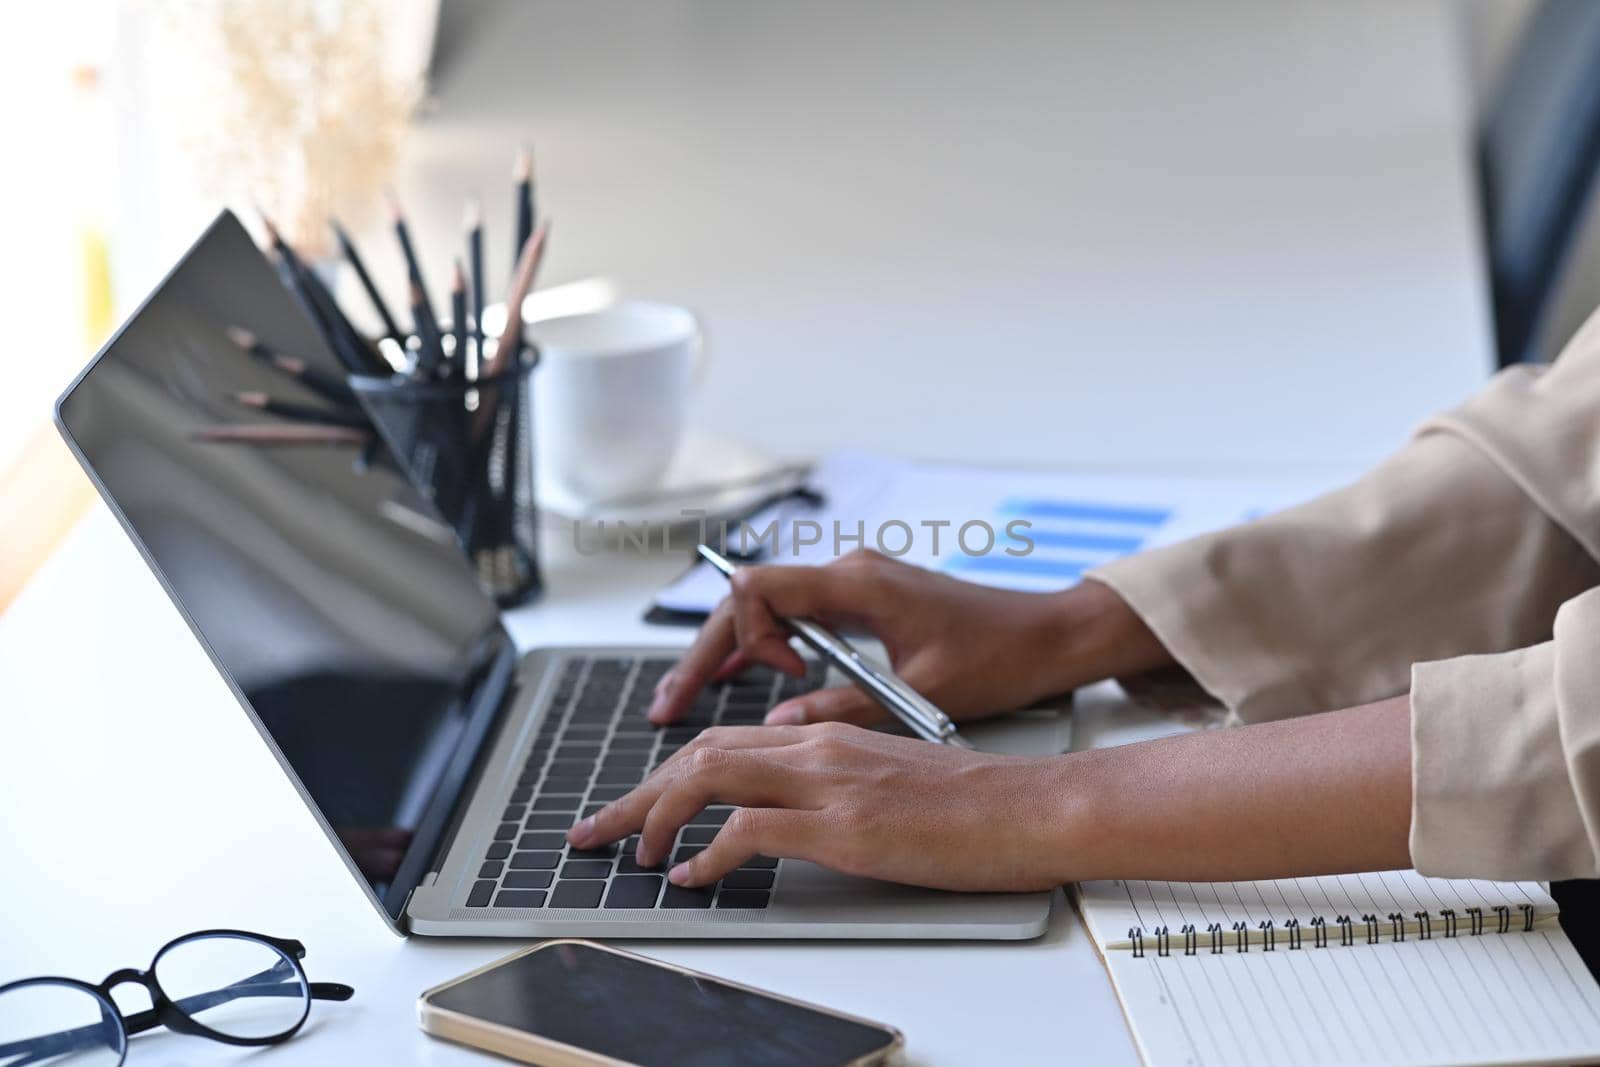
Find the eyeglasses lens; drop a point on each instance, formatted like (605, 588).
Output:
(234, 985)
(53, 1023)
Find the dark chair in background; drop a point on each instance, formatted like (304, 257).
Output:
(1538, 151)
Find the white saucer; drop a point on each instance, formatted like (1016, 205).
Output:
(709, 474)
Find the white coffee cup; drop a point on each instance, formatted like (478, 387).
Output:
(611, 395)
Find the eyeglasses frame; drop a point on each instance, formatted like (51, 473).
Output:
(166, 1012)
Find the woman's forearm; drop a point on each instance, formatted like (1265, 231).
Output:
(1315, 795)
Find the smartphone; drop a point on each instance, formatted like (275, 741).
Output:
(578, 1003)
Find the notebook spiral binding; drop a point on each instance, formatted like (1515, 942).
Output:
(1371, 928)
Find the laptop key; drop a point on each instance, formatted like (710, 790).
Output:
(586, 869)
(606, 793)
(556, 803)
(591, 809)
(523, 861)
(555, 820)
(515, 812)
(571, 768)
(528, 879)
(520, 898)
(743, 898)
(634, 891)
(604, 852)
(677, 896)
(499, 850)
(628, 778)
(564, 784)
(505, 831)
(686, 853)
(759, 863)
(628, 865)
(521, 794)
(491, 869)
(712, 817)
(698, 835)
(632, 743)
(577, 894)
(543, 839)
(481, 892)
(748, 880)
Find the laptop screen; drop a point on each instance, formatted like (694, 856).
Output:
(325, 588)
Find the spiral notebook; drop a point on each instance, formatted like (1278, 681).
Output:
(1389, 968)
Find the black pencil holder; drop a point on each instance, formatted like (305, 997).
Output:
(468, 447)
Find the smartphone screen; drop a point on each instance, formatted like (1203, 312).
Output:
(643, 1013)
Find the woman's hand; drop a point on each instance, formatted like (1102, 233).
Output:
(1322, 794)
(971, 649)
(855, 800)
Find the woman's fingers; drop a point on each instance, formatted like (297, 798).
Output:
(754, 832)
(747, 625)
(678, 687)
(747, 777)
(838, 704)
(624, 816)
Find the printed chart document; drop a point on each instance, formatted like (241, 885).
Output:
(1018, 529)
(1386, 968)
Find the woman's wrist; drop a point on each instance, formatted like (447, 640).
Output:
(1065, 830)
(1088, 633)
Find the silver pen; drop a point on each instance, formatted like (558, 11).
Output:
(904, 702)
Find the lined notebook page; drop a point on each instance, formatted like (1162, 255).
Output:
(1518, 997)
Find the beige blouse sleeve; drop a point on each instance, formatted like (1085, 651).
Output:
(1461, 548)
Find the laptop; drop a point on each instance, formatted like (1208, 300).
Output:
(443, 764)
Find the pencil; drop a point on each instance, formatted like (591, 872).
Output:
(281, 434)
(522, 179)
(475, 254)
(286, 272)
(348, 247)
(430, 348)
(458, 311)
(424, 325)
(318, 304)
(317, 381)
(286, 410)
(359, 352)
(521, 285)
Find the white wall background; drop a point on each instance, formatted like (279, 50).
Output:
(154, 207)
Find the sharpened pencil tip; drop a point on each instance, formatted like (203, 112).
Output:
(251, 400)
(417, 299)
(241, 337)
(523, 170)
(274, 238)
(458, 277)
(391, 201)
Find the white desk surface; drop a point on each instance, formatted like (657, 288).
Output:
(1119, 236)
(141, 804)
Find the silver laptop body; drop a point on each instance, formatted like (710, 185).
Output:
(439, 762)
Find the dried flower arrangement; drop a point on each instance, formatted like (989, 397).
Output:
(304, 110)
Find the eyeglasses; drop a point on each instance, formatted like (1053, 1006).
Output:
(227, 985)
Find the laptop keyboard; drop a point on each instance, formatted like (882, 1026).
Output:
(595, 745)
